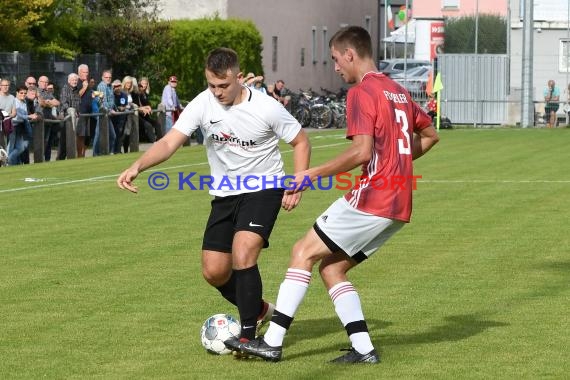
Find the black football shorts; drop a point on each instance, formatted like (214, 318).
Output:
(255, 212)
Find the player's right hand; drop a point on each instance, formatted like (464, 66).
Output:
(125, 180)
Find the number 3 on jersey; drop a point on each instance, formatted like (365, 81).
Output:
(404, 147)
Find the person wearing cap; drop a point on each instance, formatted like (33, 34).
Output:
(255, 82)
(242, 130)
(121, 101)
(259, 85)
(248, 79)
(170, 102)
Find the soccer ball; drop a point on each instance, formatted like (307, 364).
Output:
(216, 330)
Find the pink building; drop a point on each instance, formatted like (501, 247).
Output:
(458, 8)
(426, 29)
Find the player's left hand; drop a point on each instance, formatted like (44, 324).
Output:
(290, 200)
(301, 182)
(125, 180)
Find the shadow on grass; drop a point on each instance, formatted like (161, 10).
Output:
(455, 328)
(556, 266)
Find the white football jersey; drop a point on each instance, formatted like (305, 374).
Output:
(242, 141)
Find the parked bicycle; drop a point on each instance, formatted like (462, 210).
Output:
(320, 111)
(337, 103)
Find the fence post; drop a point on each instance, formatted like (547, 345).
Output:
(70, 126)
(134, 141)
(161, 117)
(104, 131)
(38, 139)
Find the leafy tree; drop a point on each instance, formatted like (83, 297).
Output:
(55, 26)
(128, 33)
(18, 18)
(60, 30)
(132, 45)
(460, 34)
(192, 40)
(141, 9)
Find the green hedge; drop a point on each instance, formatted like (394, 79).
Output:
(192, 40)
(158, 49)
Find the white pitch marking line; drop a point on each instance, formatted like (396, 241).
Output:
(99, 178)
(491, 181)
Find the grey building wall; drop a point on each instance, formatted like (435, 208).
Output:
(547, 37)
(291, 24)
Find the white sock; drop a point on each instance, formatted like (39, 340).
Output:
(348, 308)
(291, 293)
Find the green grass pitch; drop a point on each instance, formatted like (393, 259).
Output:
(101, 283)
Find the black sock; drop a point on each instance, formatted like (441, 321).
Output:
(228, 290)
(248, 297)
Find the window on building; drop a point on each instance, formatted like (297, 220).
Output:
(314, 39)
(450, 3)
(564, 56)
(274, 53)
(302, 57)
(368, 24)
(325, 46)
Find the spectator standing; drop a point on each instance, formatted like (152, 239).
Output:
(255, 82)
(7, 106)
(49, 105)
(170, 102)
(260, 86)
(92, 121)
(279, 92)
(248, 79)
(119, 120)
(107, 106)
(82, 128)
(7, 100)
(131, 90)
(31, 81)
(34, 112)
(552, 99)
(70, 99)
(19, 140)
(271, 90)
(95, 109)
(147, 123)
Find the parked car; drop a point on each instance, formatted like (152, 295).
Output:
(414, 80)
(392, 66)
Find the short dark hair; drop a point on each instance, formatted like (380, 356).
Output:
(221, 60)
(355, 37)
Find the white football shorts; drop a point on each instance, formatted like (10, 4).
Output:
(357, 233)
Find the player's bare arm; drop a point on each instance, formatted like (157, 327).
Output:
(423, 141)
(159, 152)
(358, 153)
(301, 158)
